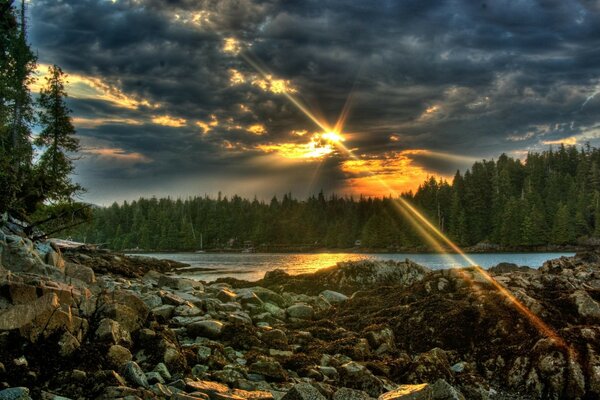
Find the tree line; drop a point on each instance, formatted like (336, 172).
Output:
(37, 137)
(550, 198)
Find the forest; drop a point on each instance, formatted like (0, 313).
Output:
(549, 198)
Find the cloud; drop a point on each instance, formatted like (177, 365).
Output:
(465, 79)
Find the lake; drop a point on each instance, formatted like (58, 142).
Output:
(252, 266)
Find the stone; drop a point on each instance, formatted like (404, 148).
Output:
(382, 340)
(15, 393)
(204, 353)
(334, 297)
(209, 328)
(300, 311)
(112, 332)
(163, 312)
(162, 369)
(440, 390)
(118, 355)
(303, 391)
(134, 374)
(21, 315)
(81, 272)
(274, 337)
(226, 295)
(350, 394)
(357, 376)
(206, 387)
(268, 368)
(154, 377)
(586, 306)
(128, 316)
(68, 344)
(152, 300)
(179, 283)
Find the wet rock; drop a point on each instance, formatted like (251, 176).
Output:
(303, 391)
(300, 311)
(440, 390)
(203, 353)
(15, 393)
(118, 356)
(226, 295)
(134, 374)
(152, 300)
(334, 297)
(154, 377)
(210, 329)
(162, 369)
(179, 283)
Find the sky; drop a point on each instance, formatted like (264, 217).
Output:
(264, 97)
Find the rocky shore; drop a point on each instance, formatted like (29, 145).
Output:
(97, 325)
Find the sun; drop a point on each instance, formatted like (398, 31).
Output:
(333, 137)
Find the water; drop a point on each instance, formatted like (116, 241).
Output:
(252, 266)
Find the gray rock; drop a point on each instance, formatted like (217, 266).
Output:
(15, 393)
(81, 272)
(350, 394)
(204, 353)
(357, 376)
(118, 355)
(152, 301)
(226, 295)
(300, 311)
(162, 369)
(210, 329)
(134, 374)
(154, 377)
(303, 391)
(179, 283)
(112, 332)
(586, 306)
(334, 297)
(164, 312)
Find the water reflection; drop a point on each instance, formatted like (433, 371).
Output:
(210, 266)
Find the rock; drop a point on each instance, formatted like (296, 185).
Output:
(334, 297)
(154, 377)
(210, 329)
(303, 391)
(21, 315)
(126, 308)
(15, 393)
(68, 344)
(587, 307)
(112, 332)
(203, 353)
(382, 341)
(163, 312)
(179, 283)
(275, 338)
(81, 272)
(357, 376)
(430, 366)
(440, 390)
(268, 368)
(118, 355)
(226, 295)
(163, 371)
(300, 311)
(212, 389)
(350, 394)
(152, 301)
(134, 374)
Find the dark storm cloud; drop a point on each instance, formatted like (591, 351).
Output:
(473, 78)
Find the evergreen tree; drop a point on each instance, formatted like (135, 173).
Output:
(57, 137)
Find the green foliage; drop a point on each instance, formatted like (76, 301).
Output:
(57, 137)
(25, 185)
(552, 197)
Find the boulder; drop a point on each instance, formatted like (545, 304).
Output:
(303, 391)
(178, 283)
(357, 376)
(268, 368)
(15, 393)
(209, 328)
(587, 307)
(134, 374)
(112, 332)
(334, 297)
(350, 394)
(300, 311)
(440, 390)
(81, 272)
(118, 356)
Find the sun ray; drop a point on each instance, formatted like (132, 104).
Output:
(429, 232)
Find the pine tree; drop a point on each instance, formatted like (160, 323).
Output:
(561, 228)
(57, 137)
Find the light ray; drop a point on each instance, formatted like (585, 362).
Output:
(429, 232)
